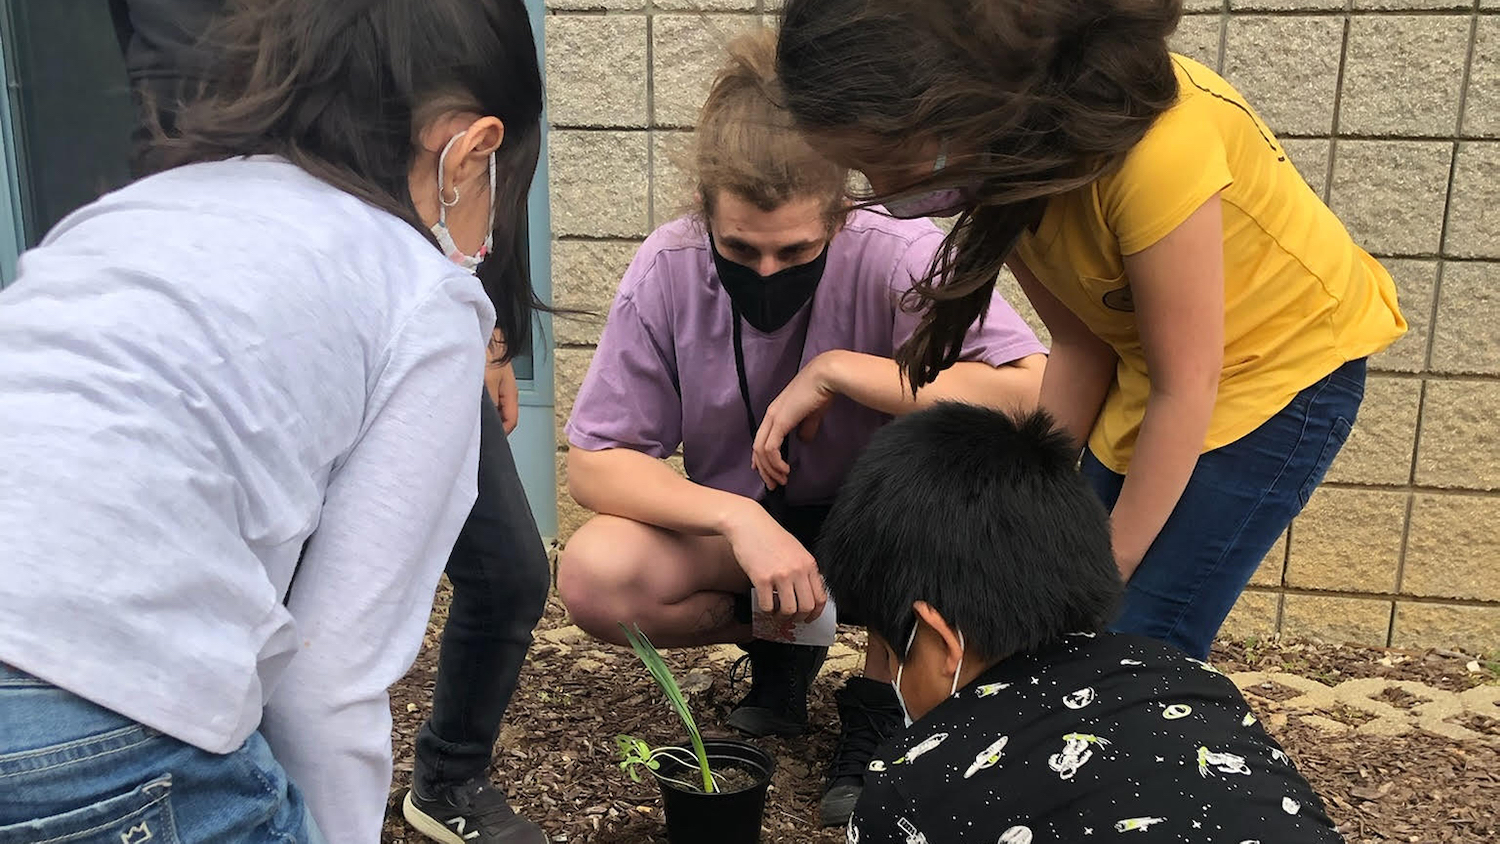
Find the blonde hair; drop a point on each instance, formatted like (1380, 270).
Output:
(746, 141)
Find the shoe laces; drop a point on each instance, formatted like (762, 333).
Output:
(863, 729)
(481, 802)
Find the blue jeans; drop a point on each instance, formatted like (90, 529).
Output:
(75, 773)
(1239, 500)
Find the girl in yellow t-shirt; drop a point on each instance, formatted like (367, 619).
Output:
(1210, 316)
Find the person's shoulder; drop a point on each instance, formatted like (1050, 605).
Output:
(676, 253)
(871, 227)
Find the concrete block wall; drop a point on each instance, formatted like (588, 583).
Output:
(1390, 109)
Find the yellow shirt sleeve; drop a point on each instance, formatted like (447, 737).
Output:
(1168, 175)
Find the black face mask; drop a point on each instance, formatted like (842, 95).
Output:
(769, 302)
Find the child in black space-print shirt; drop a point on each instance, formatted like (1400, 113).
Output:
(970, 545)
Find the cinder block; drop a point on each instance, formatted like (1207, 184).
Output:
(687, 51)
(1402, 74)
(1474, 215)
(599, 185)
(1460, 444)
(1454, 543)
(571, 367)
(1285, 5)
(1287, 67)
(585, 276)
(1383, 442)
(1468, 322)
(1444, 626)
(1411, 5)
(1339, 620)
(596, 70)
(1482, 103)
(1310, 157)
(1254, 614)
(1348, 540)
(1416, 283)
(1391, 194)
(706, 5)
(595, 5)
(1197, 37)
(674, 189)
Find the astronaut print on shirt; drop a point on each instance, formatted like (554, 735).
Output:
(1097, 738)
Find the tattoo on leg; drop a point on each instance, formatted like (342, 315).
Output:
(720, 614)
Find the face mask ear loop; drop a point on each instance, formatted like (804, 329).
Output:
(960, 669)
(443, 202)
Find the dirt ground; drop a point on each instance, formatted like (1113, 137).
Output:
(557, 753)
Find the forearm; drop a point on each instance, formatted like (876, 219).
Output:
(876, 383)
(631, 485)
(1077, 380)
(1171, 438)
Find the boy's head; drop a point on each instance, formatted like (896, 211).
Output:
(769, 199)
(967, 532)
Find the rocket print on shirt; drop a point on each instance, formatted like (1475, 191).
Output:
(1147, 746)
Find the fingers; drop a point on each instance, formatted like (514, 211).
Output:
(765, 594)
(765, 455)
(802, 588)
(820, 597)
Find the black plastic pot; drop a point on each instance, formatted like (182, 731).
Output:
(722, 817)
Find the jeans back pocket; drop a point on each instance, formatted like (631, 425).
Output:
(142, 815)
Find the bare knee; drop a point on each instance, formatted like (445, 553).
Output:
(600, 577)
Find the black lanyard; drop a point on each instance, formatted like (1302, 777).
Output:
(739, 366)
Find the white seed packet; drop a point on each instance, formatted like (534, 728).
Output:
(774, 628)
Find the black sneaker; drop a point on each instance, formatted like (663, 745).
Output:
(869, 714)
(472, 813)
(780, 675)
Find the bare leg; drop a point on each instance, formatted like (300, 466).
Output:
(680, 589)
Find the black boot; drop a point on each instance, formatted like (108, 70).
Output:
(869, 714)
(780, 675)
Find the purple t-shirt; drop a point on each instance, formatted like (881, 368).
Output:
(664, 372)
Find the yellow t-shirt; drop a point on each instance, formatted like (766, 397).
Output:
(1300, 298)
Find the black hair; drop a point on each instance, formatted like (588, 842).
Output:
(341, 88)
(980, 514)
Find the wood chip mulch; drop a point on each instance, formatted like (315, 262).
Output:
(556, 755)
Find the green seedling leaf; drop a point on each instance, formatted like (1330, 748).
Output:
(651, 658)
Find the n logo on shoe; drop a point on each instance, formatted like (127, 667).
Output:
(458, 826)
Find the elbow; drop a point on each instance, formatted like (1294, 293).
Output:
(1027, 386)
(581, 471)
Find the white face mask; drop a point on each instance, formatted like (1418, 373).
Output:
(901, 666)
(441, 232)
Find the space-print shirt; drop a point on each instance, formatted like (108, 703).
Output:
(1099, 738)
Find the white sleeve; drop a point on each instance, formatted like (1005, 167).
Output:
(364, 589)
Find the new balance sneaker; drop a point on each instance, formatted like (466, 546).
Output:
(472, 813)
(869, 714)
(780, 675)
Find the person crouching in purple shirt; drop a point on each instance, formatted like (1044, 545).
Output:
(758, 334)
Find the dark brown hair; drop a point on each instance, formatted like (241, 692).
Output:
(1033, 98)
(747, 143)
(342, 88)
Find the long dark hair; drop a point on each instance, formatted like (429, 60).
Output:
(1039, 96)
(341, 88)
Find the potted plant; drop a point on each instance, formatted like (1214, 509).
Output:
(712, 790)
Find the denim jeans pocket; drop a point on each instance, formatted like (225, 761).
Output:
(141, 816)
